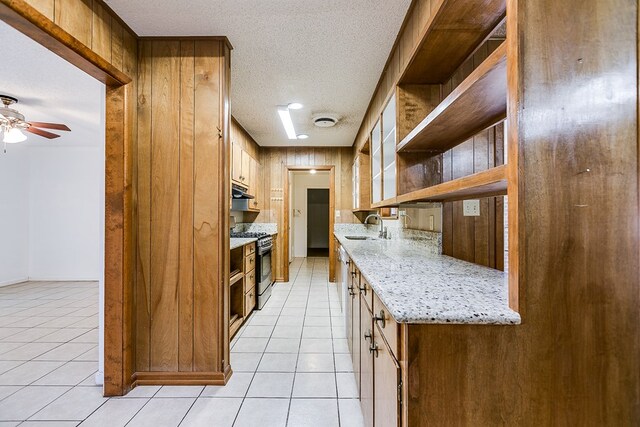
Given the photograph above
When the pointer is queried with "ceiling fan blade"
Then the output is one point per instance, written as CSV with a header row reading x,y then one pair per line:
x,y
42,133
56,126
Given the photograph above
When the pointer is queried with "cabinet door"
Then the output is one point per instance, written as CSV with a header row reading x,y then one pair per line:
x,y
246,168
354,332
366,366
236,162
376,163
389,150
356,183
254,184
386,384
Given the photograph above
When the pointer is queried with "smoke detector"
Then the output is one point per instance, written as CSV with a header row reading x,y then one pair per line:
x,y
325,120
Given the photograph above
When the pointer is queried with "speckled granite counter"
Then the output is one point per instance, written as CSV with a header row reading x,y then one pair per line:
x,y
422,287
237,242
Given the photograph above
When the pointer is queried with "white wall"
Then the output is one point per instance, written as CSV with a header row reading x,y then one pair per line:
x,y
14,215
301,182
66,213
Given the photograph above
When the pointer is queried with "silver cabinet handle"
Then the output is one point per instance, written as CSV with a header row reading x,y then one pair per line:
x,y
380,318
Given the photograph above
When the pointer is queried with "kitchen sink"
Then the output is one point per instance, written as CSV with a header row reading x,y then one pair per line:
x,y
359,238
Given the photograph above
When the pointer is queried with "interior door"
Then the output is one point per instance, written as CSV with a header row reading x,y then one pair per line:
x,y
386,384
366,365
318,218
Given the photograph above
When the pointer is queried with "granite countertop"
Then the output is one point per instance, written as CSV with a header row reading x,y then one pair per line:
x,y
418,287
237,242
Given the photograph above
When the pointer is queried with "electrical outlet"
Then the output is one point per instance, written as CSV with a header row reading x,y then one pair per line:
x,y
337,213
402,213
431,222
471,208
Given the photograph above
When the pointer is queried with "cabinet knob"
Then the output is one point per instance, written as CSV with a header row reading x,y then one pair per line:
x,y
363,289
353,274
373,348
380,318
367,335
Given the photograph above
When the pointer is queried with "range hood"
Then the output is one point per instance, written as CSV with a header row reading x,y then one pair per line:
x,y
240,192
240,198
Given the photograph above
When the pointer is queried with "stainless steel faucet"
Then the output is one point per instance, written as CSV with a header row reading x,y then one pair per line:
x,y
381,234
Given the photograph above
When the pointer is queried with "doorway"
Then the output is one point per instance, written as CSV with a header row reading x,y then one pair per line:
x,y
296,208
317,222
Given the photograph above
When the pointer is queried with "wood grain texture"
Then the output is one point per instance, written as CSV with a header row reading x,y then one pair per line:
x,y
45,7
165,205
101,30
208,221
75,17
186,233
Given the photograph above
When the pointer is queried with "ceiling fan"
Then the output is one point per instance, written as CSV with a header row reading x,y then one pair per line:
x,y
12,123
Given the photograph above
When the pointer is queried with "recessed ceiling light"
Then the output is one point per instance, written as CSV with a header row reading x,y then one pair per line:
x,y
303,136
295,106
285,116
312,171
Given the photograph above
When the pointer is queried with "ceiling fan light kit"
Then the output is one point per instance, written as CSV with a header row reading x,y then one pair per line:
x,y
12,124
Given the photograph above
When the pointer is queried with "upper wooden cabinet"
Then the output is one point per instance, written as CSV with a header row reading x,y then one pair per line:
x,y
245,168
236,162
383,157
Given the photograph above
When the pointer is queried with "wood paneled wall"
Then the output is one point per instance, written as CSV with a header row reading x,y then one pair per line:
x,y
240,136
409,37
182,207
94,25
274,162
475,239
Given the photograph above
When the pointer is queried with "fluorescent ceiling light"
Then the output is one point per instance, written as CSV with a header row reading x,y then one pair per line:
x,y
303,136
285,116
295,106
13,136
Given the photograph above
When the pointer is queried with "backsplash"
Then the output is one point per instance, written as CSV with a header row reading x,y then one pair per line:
x,y
428,240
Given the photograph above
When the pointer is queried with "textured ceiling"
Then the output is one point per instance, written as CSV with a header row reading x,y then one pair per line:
x,y
49,89
325,54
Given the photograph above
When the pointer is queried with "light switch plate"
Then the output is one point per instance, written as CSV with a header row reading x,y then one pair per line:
x,y
471,208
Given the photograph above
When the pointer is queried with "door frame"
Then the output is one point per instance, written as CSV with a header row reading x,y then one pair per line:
x,y
118,244
332,207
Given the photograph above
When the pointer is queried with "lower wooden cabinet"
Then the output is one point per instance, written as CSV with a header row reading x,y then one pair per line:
x,y
353,330
387,383
367,373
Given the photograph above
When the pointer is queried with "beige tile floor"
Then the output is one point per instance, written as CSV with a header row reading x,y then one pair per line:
x,y
290,360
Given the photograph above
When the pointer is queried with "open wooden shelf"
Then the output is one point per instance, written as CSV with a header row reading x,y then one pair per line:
x,y
236,276
453,32
387,203
478,102
234,324
492,182
363,210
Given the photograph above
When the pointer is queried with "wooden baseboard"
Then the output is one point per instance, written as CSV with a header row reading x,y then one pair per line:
x,y
181,378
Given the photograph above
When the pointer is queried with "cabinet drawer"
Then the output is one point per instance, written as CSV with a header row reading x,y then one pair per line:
x,y
249,301
386,323
366,292
249,249
250,262
249,280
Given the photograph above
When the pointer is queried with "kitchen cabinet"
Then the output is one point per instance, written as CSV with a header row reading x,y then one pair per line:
x,y
242,285
353,321
236,162
245,170
367,369
361,182
383,157
387,382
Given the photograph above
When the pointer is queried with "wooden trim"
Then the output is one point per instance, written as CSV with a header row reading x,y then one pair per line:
x,y
181,378
194,38
332,208
26,19
516,219
491,182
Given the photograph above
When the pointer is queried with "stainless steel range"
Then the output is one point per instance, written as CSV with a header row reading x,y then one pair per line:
x,y
264,279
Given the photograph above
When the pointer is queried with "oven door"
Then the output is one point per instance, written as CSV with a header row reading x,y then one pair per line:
x,y
265,271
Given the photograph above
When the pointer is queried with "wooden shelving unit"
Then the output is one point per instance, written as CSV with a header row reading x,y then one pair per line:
x,y
478,102
392,202
452,34
235,277
492,182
